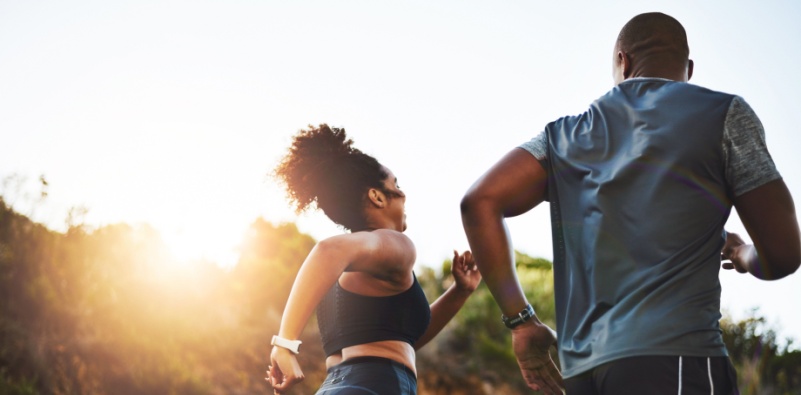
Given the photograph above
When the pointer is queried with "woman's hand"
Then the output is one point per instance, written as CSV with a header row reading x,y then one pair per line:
x,y
284,371
465,273
466,278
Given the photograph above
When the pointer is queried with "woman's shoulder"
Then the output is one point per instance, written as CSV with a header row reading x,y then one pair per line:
x,y
371,250
370,239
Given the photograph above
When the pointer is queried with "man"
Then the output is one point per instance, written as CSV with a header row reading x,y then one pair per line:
x,y
640,187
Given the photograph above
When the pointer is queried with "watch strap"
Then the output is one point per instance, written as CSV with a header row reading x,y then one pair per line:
x,y
521,317
291,345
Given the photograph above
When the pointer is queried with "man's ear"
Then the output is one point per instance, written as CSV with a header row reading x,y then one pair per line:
x,y
625,64
377,198
690,66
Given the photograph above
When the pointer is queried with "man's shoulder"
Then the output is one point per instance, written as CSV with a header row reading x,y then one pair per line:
x,y
634,87
649,92
704,89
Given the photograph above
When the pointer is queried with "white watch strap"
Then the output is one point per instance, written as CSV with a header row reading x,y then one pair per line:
x,y
291,345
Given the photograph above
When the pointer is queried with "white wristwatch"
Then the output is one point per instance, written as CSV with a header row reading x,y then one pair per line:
x,y
291,345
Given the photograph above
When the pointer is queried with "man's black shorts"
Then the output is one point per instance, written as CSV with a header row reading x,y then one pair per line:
x,y
657,375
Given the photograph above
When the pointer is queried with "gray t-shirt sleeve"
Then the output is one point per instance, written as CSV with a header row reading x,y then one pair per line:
x,y
748,163
537,146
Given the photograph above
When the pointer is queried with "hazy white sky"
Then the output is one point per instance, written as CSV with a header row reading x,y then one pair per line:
x,y
173,112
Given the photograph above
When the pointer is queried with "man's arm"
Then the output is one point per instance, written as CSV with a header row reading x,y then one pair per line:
x,y
768,214
761,198
511,187
514,185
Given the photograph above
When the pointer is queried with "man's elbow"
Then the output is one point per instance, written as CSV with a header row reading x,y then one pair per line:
x,y
787,268
777,267
468,204
472,204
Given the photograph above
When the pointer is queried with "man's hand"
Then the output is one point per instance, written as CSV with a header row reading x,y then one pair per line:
x,y
740,256
531,342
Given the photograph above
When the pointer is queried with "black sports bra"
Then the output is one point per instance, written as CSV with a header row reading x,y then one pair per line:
x,y
347,319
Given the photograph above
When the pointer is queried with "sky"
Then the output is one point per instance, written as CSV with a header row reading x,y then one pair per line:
x,y
174,113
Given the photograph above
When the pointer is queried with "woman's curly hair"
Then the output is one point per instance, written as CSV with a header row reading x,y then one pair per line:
x,y
324,168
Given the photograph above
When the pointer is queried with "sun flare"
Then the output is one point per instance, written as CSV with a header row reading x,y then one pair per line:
x,y
188,246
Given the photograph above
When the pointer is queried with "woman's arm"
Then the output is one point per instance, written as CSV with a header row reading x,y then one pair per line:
x,y
361,251
325,263
466,278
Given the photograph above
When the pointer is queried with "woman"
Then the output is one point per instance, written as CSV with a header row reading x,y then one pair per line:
x,y
371,311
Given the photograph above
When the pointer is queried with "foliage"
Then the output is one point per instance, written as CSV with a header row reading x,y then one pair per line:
x,y
108,311
762,366
270,259
475,349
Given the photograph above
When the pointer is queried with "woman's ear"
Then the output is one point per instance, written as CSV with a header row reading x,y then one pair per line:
x,y
377,198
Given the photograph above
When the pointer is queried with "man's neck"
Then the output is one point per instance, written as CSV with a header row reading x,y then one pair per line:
x,y
659,72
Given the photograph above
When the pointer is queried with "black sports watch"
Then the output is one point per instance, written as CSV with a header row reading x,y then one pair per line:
x,y
521,317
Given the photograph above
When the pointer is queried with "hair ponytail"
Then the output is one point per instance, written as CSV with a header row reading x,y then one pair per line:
x,y
323,168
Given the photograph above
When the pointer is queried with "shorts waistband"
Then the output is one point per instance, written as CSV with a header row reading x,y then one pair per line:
x,y
371,359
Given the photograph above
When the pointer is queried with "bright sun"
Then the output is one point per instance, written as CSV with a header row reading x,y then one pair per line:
x,y
203,244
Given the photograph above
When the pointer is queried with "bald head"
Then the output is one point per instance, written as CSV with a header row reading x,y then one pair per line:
x,y
654,45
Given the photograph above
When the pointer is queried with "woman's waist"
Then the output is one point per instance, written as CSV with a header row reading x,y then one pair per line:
x,y
394,350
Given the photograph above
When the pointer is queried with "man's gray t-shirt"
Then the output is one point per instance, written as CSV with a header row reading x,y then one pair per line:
x,y
640,187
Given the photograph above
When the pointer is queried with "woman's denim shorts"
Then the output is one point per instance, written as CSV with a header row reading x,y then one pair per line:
x,y
369,375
